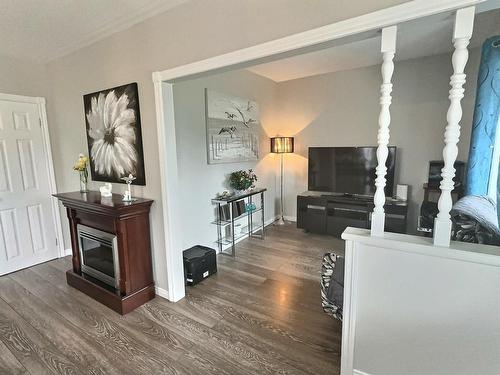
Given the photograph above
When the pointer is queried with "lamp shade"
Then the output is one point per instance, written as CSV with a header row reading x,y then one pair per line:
x,y
282,145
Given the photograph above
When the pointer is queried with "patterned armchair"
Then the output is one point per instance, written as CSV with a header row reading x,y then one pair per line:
x,y
332,285
474,219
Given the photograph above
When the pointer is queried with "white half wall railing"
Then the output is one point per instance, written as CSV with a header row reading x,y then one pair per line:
x,y
388,49
395,321
411,308
464,22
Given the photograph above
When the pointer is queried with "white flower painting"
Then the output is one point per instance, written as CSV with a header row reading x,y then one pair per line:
x,y
114,134
233,128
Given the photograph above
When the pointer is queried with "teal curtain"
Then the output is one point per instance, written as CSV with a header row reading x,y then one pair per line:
x,y
486,115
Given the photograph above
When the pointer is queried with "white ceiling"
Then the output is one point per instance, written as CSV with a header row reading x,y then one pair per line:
x,y
43,30
415,39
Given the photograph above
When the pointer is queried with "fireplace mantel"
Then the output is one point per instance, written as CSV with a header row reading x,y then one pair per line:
x,y
129,222
113,206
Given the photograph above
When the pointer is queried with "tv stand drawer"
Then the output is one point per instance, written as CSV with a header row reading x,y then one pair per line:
x,y
348,213
314,207
311,214
336,225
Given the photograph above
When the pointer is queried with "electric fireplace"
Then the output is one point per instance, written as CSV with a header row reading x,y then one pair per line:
x,y
99,255
111,249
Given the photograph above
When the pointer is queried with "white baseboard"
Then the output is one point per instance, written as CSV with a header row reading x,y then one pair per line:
x,y
290,218
270,221
68,252
161,292
358,372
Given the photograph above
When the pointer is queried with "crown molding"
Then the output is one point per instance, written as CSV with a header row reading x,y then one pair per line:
x,y
122,23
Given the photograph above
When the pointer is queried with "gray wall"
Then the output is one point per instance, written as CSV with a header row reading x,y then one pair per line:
x,y
341,109
22,77
199,181
190,32
193,31
337,109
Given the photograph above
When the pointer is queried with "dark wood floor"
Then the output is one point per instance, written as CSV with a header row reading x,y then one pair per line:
x,y
260,314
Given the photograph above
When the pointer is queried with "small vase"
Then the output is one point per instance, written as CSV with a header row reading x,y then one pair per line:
x,y
83,182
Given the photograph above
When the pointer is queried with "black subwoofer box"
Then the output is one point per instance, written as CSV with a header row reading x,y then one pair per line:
x,y
199,263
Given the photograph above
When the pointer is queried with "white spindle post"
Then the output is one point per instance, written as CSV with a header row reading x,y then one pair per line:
x,y
388,49
464,21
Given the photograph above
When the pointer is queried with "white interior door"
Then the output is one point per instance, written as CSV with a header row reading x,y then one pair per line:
x,y
27,230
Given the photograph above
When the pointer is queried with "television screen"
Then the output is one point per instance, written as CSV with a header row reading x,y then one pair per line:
x,y
348,170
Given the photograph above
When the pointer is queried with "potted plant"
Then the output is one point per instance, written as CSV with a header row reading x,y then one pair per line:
x,y
242,180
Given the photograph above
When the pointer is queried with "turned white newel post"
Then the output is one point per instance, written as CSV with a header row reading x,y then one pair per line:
x,y
464,21
388,48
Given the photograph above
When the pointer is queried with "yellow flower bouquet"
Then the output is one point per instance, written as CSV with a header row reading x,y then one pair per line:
x,y
81,167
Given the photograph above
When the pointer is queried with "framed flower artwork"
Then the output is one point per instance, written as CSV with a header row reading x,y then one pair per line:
x,y
114,138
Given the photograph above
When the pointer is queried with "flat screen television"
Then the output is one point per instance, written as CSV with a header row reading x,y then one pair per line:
x,y
348,170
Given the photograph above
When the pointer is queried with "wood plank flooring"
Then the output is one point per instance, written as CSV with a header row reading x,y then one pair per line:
x,y
260,314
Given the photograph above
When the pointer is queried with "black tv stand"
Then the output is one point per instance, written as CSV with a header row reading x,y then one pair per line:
x,y
330,213
357,197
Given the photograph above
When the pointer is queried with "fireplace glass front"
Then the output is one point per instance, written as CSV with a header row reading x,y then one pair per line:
x,y
99,254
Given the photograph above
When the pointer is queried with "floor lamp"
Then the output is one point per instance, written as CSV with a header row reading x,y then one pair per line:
x,y
281,145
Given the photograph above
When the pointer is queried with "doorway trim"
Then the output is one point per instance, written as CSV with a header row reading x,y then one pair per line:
x,y
164,100
44,125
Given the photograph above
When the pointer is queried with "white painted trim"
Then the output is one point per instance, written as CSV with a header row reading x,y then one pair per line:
x,y
367,22
161,292
291,218
68,252
388,49
462,33
167,148
165,120
42,113
349,311
460,251
359,372
20,98
56,213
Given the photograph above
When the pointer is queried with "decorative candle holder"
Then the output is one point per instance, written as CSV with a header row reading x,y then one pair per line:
x,y
127,196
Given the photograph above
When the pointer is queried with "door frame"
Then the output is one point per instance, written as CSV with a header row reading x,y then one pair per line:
x,y
164,100
44,125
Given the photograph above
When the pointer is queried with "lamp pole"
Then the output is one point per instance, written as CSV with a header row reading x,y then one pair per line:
x,y
281,220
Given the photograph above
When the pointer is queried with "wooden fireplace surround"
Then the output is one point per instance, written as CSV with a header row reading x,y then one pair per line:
x,y
129,221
